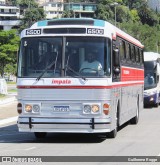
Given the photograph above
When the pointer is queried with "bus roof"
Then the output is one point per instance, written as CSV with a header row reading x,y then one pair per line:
x,y
80,22
151,56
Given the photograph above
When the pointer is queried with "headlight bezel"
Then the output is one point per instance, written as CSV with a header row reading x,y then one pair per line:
x,y
31,108
91,108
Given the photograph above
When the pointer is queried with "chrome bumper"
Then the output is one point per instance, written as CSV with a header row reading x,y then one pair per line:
x,y
70,125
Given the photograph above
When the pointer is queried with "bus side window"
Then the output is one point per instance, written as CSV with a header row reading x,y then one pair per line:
x,y
128,53
137,55
122,51
133,54
141,57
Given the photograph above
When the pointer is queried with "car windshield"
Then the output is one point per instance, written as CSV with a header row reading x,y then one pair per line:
x,y
64,57
150,75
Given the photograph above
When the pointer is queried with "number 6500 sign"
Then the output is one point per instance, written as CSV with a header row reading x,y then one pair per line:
x,y
95,31
33,32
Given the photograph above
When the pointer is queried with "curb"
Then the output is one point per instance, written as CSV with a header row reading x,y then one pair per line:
x,y
7,100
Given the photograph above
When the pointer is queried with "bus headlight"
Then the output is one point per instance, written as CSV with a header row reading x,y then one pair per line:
x,y
33,108
28,108
36,108
87,109
95,108
91,108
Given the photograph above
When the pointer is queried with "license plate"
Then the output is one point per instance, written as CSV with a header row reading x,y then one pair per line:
x,y
61,109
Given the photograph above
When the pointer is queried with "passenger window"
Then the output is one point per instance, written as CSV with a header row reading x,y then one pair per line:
x,y
122,50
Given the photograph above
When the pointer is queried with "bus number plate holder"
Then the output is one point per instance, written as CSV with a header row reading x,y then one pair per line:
x,y
61,108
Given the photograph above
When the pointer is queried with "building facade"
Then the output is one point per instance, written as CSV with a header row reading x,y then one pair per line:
x,y
55,8
9,16
2,2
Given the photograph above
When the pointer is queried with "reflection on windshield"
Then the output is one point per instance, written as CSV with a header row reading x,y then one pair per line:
x,y
149,81
84,56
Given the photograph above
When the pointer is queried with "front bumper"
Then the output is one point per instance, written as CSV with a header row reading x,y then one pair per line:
x,y
150,99
64,125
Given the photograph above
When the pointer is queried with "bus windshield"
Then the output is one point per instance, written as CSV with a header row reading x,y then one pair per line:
x,y
64,57
150,75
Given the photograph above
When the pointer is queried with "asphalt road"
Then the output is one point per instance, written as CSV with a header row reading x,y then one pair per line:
x,y
132,140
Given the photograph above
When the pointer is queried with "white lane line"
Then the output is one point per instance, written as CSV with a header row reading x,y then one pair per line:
x,y
8,120
32,148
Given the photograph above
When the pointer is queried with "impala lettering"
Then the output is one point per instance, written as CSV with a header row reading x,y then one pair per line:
x,y
59,82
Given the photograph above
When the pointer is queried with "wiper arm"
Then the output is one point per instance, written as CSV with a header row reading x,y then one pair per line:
x,y
48,67
73,71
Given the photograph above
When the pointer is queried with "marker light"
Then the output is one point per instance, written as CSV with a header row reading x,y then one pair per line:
x,y
28,108
19,108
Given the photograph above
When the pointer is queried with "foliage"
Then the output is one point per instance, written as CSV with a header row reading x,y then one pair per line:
x,y
134,17
9,42
68,14
32,13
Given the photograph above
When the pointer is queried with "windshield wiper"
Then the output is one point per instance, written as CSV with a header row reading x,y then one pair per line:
x,y
73,71
48,67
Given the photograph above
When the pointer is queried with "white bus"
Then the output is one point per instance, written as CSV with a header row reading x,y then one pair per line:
x,y
151,81
56,95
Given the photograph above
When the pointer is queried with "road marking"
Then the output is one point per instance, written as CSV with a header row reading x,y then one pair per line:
x,y
8,120
30,148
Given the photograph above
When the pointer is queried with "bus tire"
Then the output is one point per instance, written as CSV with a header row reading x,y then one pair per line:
x,y
156,104
39,135
135,119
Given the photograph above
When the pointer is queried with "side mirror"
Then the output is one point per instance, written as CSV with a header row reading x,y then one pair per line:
x,y
157,78
116,61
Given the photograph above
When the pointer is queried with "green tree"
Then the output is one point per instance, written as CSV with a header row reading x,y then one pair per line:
x,y
148,16
9,42
146,34
104,12
123,14
134,15
68,14
32,13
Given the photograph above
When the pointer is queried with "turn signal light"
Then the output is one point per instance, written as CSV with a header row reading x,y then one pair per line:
x,y
19,108
106,109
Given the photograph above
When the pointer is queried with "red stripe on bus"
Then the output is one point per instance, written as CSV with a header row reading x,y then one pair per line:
x,y
76,87
131,74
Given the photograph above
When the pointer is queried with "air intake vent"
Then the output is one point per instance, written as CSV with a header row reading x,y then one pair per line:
x,y
65,31
72,22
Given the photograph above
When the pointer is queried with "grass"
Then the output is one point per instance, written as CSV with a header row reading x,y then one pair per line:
x,y
12,90
11,82
2,96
